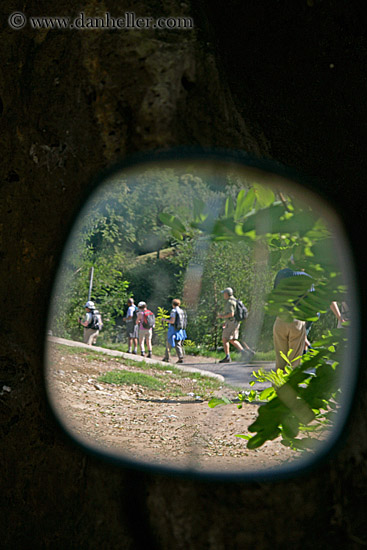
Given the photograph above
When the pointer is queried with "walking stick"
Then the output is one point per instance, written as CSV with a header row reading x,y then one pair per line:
x,y
215,316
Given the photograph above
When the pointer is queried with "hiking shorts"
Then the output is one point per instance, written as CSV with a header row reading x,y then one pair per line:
x,y
145,334
90,336
132,330
231,330
289,336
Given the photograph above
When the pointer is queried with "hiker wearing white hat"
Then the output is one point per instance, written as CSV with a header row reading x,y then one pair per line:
x,y
92,323
146,321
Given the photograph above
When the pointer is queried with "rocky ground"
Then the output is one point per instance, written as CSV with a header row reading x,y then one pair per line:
x,y
173,426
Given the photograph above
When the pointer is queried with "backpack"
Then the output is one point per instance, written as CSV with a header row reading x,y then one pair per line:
x,y
180,319
148,319
135,314
96,322
345,312
241,312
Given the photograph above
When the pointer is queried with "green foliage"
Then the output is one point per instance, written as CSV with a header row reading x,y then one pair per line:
x,y
109,292
161,325
297,401
120,224
215,401
265,355
302,401
121,378
153,281
132,207
225,264
191,348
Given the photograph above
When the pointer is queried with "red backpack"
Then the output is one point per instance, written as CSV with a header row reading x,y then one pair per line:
x,y
148,320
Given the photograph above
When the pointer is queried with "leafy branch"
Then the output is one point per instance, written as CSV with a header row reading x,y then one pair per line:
x,y
301,399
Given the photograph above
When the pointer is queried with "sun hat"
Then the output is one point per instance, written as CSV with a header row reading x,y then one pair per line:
x,y
228,290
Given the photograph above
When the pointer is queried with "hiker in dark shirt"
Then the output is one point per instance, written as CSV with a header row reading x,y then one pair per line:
x,y
289,335
131,326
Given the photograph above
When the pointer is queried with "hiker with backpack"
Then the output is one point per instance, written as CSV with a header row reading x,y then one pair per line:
x,y
131,326
176,333
92,323
290,337
234,313
145,321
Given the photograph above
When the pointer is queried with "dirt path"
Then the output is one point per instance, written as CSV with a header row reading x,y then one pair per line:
x,y
173,427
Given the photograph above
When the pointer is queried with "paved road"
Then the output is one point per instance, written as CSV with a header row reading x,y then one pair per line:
x,y
236,374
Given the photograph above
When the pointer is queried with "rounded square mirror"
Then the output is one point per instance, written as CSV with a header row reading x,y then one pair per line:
x,y
204,318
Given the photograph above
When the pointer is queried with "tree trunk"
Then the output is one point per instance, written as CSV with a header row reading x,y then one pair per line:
x,y
274,79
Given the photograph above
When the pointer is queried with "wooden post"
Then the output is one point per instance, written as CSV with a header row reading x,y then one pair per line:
x,y
90,282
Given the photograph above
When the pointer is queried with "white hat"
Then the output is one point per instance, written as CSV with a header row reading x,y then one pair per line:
x,y
90,305
142,304
228,290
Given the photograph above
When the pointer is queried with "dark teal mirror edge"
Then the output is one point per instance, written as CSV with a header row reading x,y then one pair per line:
x,y
244,160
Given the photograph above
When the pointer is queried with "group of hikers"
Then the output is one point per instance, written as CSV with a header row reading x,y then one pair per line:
x,y
289,337
140,322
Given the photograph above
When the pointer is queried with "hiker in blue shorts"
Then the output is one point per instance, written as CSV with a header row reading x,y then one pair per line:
x,y
176,331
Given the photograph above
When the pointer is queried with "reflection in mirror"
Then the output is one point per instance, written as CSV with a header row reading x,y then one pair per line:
x,y
203,384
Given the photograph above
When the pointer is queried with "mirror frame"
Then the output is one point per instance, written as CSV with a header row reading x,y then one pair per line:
x,y
266,166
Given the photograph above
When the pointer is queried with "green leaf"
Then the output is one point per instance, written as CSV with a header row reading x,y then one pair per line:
x,y
229,207
324,250
177,234
306,443
244,203
216,401
285,357
265,394
292,295
171,221
249,200
298,406
256,441
264,196
290,426
224,228
265,220
199,206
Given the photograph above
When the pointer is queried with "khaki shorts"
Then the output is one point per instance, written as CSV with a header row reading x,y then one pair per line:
x,y
231,330
289,336
145,333
90,336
